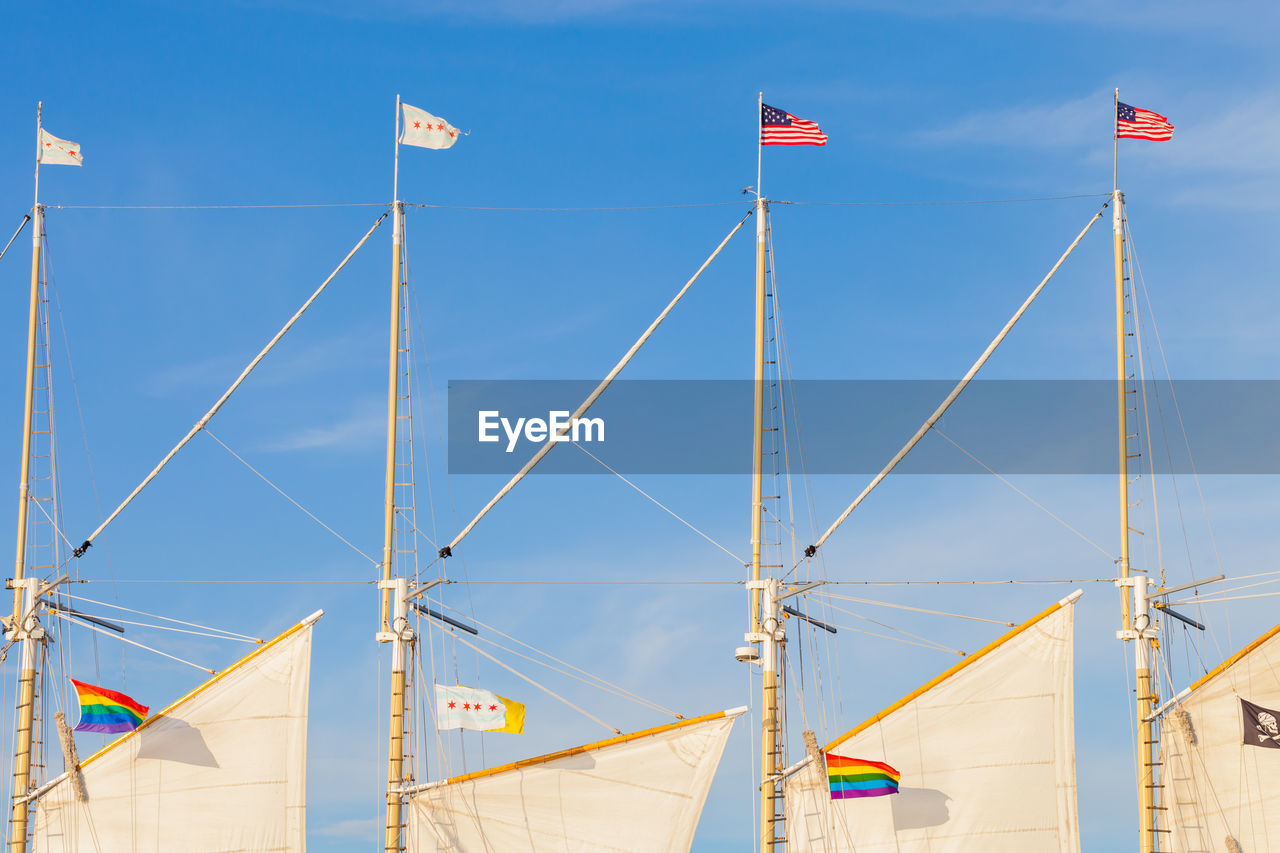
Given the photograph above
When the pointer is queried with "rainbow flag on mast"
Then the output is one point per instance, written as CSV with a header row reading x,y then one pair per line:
x,y
103,710
857,777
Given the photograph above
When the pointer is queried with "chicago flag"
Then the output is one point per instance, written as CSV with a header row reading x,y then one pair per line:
x,y
423,129
53,151
459,707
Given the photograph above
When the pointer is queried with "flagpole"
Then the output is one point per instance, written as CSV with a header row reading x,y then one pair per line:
x,y
759,144
1115,141
389,513
395,183
23,592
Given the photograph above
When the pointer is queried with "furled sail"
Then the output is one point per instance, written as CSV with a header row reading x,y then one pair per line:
x,y
222,769
640,792
985,753
1220,748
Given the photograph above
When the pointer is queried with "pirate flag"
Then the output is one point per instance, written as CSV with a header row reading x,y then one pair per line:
x,y
1261,725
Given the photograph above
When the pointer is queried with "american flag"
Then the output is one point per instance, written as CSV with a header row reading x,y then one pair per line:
x,y
1135,123
779,127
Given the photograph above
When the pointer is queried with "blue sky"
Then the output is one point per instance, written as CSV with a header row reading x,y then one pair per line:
x,y
621,104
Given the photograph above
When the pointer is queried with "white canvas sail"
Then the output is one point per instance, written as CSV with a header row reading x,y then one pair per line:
x,y
986,753
641,793
1221,782
222,769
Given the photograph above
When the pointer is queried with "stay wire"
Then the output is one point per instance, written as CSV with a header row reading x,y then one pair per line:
x,y
661,505
289,498
609,684
1030,499
580,209
88,455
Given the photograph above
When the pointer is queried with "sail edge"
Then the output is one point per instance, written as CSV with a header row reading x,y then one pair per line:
x,y
204,685
955,669
578,750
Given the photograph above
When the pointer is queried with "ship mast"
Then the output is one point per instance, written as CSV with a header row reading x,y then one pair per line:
x,y
25,626
763,593
393,623
1135,611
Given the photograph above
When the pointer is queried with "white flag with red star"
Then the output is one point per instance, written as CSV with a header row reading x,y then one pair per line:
x,y
53,151
423,129
459,707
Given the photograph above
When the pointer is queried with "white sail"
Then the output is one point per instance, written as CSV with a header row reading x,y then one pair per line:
x,y
222,769
986,753
641,793
1218,788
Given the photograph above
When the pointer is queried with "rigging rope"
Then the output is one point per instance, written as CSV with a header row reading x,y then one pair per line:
x,y
71,618
955,392
661,505
205,206
927,644
227,394
84,437
1195,474
896,630
578,209
230,634
594,395
578,582
942,203
1032,500
621,208
284,495
914,609
546,690
590,681
613,687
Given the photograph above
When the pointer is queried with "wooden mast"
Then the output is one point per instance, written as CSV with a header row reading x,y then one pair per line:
x,y
764,625
1121,380
394,630
23,599
1134,607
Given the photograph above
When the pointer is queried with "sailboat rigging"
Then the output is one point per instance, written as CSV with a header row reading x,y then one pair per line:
x,y
942,777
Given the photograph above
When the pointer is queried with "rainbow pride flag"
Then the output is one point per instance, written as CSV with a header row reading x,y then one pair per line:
x,y
857,777
103,710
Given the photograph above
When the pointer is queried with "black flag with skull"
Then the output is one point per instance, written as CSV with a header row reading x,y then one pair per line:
x,y
1261,725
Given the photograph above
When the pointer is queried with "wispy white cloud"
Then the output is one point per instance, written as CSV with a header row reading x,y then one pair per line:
x,y
1080,121
1241,138
360,431
285,366
201,374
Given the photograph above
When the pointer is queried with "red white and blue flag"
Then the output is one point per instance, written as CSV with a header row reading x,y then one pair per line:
x,y
779,127
1135,123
